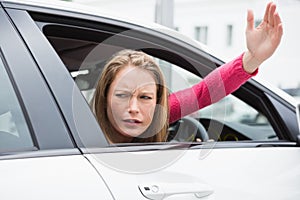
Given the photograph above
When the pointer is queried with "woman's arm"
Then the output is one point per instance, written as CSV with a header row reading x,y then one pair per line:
x,y
216,85
262,41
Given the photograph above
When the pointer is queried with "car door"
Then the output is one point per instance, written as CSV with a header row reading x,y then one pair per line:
x,y
38,159
262,164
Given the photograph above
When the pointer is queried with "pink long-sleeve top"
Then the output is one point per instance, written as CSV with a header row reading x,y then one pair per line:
x,y
216,85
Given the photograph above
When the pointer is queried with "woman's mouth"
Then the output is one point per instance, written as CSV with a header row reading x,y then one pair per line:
x,y
132,121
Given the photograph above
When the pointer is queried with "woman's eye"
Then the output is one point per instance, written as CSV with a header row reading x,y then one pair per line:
x,y
146,97
122,95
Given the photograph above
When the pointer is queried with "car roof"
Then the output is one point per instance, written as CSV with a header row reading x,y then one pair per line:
x,y
73,7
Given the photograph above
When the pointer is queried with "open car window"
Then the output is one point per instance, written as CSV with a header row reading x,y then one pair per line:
x,y
231,119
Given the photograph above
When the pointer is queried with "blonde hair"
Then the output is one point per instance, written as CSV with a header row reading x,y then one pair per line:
x,y
139,59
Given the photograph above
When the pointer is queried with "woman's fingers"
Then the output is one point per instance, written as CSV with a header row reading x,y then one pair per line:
x,y
271,14
277,21
250,20
266,16
278,26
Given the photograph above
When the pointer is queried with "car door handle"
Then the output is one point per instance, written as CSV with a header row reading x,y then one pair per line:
x,y
158,191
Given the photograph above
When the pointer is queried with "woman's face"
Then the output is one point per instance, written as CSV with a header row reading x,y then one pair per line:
x,y
131,102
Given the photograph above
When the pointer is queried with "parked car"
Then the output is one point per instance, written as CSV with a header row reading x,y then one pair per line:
x,y
51,146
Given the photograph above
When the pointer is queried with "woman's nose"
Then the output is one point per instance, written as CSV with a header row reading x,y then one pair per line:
x,y
133,106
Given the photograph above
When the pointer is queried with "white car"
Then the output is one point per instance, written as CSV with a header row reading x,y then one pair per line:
x,y
51,146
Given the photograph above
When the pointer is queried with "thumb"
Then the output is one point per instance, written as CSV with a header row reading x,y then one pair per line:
x,y
250,20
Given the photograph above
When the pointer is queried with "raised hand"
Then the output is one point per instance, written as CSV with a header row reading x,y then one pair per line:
x,y
262,40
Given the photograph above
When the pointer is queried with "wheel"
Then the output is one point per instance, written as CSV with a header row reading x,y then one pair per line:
x,y
187,129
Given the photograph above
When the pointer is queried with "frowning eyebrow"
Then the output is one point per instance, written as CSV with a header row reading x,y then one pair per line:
x,y
122,90
143,91
147,93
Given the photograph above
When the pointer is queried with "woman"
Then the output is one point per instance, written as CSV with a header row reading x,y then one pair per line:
x,y
131,101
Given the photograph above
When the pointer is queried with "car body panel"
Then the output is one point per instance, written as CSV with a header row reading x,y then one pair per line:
x,y
51,178
230,173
